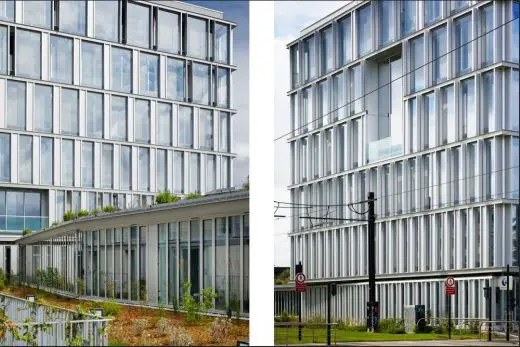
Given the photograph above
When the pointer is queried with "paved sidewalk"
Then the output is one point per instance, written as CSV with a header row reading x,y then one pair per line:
x,y
432,343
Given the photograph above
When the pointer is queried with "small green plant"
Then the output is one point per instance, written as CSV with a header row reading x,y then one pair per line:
x,y
166,197
283,317
175,305
391,326
192,196
83,213
189,304
69,215
95,212
109,209
26,232
161,310
235,307
110,308
245,186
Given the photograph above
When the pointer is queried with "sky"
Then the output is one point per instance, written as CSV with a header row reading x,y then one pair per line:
x,y
290,18
238,12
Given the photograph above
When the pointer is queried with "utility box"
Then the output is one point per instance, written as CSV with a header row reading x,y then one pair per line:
x,y
414,316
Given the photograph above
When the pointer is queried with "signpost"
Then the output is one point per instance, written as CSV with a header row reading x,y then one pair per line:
x,y
298,270
450,289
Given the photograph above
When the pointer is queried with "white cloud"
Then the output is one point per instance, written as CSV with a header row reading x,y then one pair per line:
x,y
290,18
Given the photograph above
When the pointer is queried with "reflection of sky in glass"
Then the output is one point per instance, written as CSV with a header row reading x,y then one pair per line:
x,y
142,120
72,16
185,126
25,159
121,69
168,31
221,43
91,64
106,23
144,166
67,165
43,108
126,169
28,54
197,37
148,70
118,118
37,13
175,88
222,80
69,111
138,19
164,124
61,59
46,162
200,83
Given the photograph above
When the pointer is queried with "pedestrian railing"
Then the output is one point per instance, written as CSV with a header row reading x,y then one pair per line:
x,y
497,330
27,323
294,333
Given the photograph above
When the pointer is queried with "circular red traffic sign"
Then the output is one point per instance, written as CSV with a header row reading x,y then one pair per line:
x,y
300,278
450,282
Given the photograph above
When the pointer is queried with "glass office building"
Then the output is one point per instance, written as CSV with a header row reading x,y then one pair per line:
x,y
145,255
108,103
416,101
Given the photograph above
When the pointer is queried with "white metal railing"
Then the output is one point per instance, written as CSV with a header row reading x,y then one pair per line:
x,y
33,323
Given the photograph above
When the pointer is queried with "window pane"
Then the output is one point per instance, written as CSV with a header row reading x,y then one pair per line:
x,y
121,76
46,160
43,108
195,173
309,61
138,25
108,166
222,87
16,105
175,79
432,11
149,74
37,13
488,112
201,85
515,32
67,163
168,32
87,164
487,35
161,170
126,167
3,51
408,17
323,103
469,117
221,43
142,121
513,104
118,118
7,10
387,19
355,90
69,112
327,50
206,129
440,59
197,38
307,110
164,124
178,172
105,21
5,157
295,65
185,127
144,169
95,117
345,33
224,132
28,54
448,115
414,126
338,96
430,131
211,179
224,173
417,60
92,64
25,159
365,30
462,46
73,15
61,59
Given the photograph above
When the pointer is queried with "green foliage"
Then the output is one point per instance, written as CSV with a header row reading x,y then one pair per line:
x,y
282,277
81,286
192,196
110,308
245,186
235,307
83,213
316,319
282,318
194,308
26,232
166,197
391,326
55,223
95,212
175,305
69,215
109,209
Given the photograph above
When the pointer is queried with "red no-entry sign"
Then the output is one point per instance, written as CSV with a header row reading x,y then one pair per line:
x,y
449,286
300,282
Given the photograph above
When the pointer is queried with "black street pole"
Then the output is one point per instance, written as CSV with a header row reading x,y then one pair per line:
x,y
328,314
449,316
299,269
371,262
489,311
507,305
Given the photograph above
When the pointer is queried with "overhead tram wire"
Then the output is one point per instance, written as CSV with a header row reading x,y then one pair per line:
x,y
398,78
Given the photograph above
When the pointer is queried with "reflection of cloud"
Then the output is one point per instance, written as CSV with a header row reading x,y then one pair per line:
x,y
290,18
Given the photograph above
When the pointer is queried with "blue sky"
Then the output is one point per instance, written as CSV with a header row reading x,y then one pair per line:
x,y
238,12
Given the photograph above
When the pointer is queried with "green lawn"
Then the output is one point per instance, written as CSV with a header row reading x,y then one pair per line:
x,y
290,336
